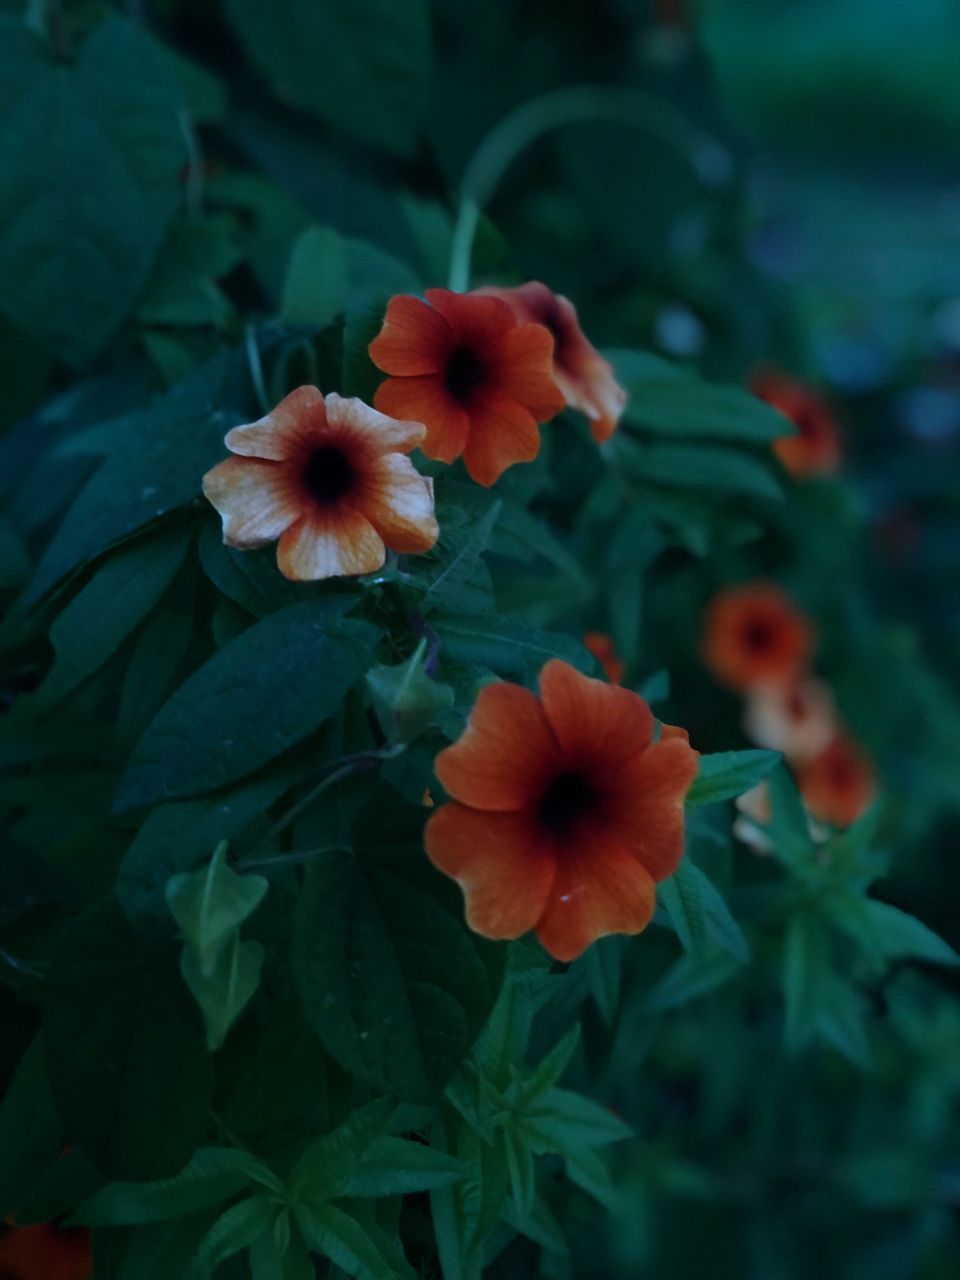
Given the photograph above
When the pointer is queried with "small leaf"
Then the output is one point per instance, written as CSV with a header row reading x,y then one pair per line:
x,y
363,1250
727,774
210,904
327,1166
395,1167
682,895
234,1231
224,989
805,978
506,646
405,699
213,1175
563,1121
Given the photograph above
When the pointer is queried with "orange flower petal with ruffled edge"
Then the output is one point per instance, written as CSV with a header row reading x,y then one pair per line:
x,y
328,478
480,381
565,811
755,635
838,785
585,379
493,765
599,889
502,862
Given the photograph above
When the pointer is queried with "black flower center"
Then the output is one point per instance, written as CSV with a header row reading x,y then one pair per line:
x,y
464,373
328,474
568,797
758,634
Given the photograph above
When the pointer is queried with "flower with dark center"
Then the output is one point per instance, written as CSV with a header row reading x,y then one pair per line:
x,y
797,719
755,636
837,785
586,379
564,813
328,478
814,448
479,380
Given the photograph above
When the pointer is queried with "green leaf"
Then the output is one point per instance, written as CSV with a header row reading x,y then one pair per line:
x,y
106,610
694,975
457,577
213,1175
175,837
549,1071
265,691
805,980
405,699
891,933
727,774
374,60
224,989
520,1167
154,462
390,980
156,659
330,274
89,157
327,1166
563,1121
360,1250
604,965
395,1166
506,646
124,1050
210,904
714,468
30,1138
699,913
686,407
233,1231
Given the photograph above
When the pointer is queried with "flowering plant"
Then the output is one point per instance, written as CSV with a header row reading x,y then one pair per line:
x,y
408,648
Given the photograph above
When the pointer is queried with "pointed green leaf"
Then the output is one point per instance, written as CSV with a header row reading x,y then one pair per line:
x,y
210,904
728,774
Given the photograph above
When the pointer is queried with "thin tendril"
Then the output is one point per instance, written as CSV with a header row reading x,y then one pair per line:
x,y
709,161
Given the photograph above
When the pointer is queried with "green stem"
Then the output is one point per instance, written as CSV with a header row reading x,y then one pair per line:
x,y
709,161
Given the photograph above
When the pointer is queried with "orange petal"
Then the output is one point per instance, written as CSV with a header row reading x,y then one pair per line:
x,y
643,803
504,757
425,399
275,436
525,373
414,339
254,499
386,433
329,545
502,863
477,322
502,432
598,725
598,889
398,502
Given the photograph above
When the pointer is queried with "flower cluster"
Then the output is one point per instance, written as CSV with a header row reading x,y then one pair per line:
x,y
471,375
757,642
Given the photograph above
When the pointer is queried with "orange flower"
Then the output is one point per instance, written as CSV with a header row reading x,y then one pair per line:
x,y
755,636
326,476
796,719
815,449
838,784
581,373
601,646
42,1252
565,812
479,380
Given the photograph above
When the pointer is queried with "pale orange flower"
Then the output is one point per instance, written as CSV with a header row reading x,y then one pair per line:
x,y
586,379
480,381
796,719
565,812
328,478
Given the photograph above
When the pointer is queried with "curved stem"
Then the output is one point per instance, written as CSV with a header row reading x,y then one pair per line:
x,y
709,160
